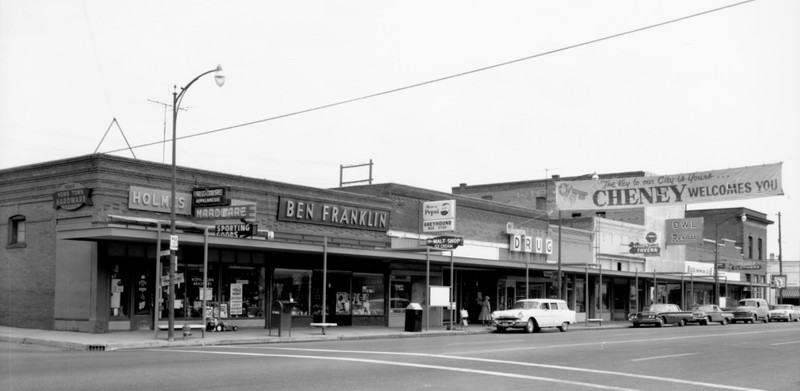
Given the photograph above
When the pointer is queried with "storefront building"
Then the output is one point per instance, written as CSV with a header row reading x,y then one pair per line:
x,y
631,263
87,243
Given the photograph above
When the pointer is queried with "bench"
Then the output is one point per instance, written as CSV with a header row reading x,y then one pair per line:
x,y
179,327
323,326
599,321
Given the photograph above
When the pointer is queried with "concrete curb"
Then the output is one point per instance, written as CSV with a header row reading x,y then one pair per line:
x,y
65,342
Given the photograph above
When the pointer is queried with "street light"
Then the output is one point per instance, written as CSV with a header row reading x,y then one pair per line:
x,y
716,254
173,261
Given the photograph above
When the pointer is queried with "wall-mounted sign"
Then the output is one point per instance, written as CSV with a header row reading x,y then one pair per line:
x,y
439,216
684,231
445,242
156,200
72,196
530,244
236,230
245,211
646,249
316,212
704,186
211,196
745,267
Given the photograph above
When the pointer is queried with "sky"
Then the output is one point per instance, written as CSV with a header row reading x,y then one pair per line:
x,y
433,93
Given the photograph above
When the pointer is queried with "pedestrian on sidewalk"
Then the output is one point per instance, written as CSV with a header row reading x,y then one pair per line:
x,y
486,311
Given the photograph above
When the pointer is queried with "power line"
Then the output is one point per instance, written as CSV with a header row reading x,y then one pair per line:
x,y
453,76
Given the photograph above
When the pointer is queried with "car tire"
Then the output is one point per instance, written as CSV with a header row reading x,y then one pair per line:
x,y
660,323
564,327
723,322
530,327
704,322
767,319
682,323
501,329
636,325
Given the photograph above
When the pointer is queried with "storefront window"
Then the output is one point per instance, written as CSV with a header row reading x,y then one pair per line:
x,y
242,291
580,295
293,285
195,294
368,294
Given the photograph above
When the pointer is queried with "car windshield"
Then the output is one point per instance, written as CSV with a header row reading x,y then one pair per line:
x,y
747,303
781,307
704,308
656,308
526,305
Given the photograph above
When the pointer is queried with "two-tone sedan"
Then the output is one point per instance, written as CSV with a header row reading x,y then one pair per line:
x,y
659,315
781,312
709,313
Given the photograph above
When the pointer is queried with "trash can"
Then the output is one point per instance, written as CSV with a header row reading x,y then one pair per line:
x,y
414,317
281,317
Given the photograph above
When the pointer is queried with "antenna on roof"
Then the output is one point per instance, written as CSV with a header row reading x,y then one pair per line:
x,y
164,143
114,121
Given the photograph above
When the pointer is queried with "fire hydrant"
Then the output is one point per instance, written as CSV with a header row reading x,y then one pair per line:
x,y
187,331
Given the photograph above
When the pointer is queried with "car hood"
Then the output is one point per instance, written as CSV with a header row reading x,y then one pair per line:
x,y
506,313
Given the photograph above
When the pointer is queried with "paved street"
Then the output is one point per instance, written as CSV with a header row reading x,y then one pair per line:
x,y
732,357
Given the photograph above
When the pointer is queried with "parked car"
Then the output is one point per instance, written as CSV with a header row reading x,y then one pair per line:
x,y
534,315
709,313
787,312
659,315
751,310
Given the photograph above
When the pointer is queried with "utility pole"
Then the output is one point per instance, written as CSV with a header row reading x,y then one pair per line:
x,y
164,144
780,260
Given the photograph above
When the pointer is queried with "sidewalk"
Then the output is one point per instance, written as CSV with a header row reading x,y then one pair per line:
x,y
120,340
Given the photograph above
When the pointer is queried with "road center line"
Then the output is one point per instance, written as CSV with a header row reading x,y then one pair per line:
x,y
412,365
784,343
670,356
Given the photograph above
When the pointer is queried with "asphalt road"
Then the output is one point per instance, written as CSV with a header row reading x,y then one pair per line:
x,y
731,357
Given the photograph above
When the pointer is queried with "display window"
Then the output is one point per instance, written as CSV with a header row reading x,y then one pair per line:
x,y
368,294
293,285
242,291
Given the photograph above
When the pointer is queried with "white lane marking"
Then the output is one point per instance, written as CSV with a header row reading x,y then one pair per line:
x,y
524,364
636,341
670,356
784,343
483,342
412,365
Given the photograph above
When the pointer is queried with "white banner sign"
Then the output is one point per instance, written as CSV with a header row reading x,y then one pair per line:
x,y
704,186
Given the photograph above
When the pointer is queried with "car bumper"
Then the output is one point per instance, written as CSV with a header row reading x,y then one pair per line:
x,y
510,323
647,321
779,316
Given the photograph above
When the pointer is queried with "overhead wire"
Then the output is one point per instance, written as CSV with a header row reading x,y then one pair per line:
x,y
453,76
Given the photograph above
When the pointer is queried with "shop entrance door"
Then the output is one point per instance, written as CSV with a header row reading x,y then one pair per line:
x,y
340,298
142,285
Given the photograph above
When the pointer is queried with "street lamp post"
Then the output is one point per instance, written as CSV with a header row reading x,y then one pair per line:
x,y
716,255
173,260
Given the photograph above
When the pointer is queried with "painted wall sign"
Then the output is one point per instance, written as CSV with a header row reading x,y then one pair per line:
x,y
704,186
157,200
72,196
684,231
211,196
325,213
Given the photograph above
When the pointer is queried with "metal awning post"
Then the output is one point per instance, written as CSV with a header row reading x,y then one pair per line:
x,y
586,294
156,304
324,277
205,278
427,287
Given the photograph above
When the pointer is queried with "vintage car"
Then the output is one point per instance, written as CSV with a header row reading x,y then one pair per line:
x,y
659,315
751,310
534,315
709,313
787,312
